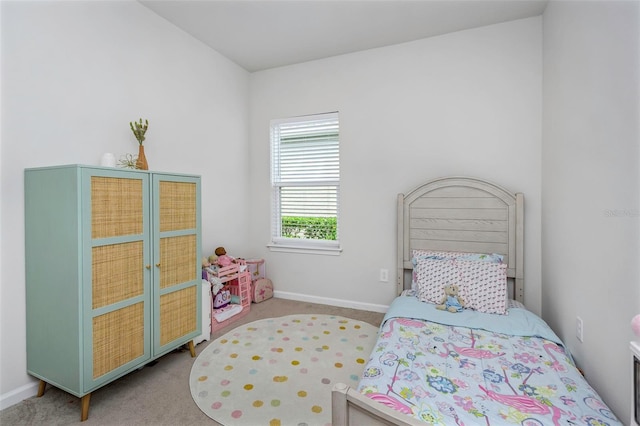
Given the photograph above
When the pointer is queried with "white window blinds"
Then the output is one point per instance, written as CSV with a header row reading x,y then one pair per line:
x,y
305,178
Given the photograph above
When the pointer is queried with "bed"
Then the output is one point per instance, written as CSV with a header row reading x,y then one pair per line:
x,y
491,363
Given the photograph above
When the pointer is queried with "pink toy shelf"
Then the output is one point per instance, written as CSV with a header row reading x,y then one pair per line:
x,y
238,281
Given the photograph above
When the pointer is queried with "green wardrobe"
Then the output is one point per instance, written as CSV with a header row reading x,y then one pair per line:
x,y
113,276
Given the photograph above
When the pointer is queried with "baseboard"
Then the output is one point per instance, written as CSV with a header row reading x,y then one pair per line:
x,y
17,395
331,302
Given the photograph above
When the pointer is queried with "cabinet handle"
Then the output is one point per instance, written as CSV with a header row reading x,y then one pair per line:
x,y
158,265
148,266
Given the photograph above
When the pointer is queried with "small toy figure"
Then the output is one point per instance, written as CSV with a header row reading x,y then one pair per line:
x,y
205,265
223,259
451,301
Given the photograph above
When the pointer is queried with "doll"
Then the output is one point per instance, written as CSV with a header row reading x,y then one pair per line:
x,y
223,259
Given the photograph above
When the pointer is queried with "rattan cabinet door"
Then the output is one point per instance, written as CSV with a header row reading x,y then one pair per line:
x,y
117,276
177,280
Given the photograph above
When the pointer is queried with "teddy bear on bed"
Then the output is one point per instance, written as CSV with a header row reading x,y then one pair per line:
x,y
451,302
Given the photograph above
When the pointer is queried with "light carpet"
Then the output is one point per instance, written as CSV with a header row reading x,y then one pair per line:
x,y
280,371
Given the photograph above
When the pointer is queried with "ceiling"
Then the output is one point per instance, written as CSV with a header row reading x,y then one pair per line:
x,y
263,34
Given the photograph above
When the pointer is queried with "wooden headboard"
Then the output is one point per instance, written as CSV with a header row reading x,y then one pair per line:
x,y
466,215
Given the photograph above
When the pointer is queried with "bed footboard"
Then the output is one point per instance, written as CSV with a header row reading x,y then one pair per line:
x,y
350,408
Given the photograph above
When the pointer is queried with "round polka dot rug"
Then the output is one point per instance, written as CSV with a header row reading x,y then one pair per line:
x,y
280,371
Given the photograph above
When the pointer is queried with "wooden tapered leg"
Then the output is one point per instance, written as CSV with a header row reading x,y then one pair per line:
x,y
192,349
41,388
84,406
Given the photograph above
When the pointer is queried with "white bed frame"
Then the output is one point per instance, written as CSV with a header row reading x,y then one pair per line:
x,y
448,214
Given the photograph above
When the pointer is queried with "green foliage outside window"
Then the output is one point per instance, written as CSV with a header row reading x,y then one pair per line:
x,y
313,228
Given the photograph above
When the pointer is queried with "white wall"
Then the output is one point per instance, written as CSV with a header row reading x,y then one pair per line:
x,y
73,75
591,186
466,103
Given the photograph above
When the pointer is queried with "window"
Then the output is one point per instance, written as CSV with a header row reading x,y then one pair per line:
x,y
305,184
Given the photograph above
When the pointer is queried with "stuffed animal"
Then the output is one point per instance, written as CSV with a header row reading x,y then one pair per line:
x,y
205,265
222,299
223,259
451,301
209,269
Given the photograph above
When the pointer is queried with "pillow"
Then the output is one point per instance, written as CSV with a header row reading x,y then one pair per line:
x,y
430,276
485,286
420,254
441,255
482,284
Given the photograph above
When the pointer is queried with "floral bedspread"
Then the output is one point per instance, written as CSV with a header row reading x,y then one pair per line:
x,y
459,375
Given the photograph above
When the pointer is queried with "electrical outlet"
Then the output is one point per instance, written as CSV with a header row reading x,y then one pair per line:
x,y
384,275
579,328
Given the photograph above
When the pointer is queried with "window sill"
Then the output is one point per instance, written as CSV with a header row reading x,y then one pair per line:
x,y
305,249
